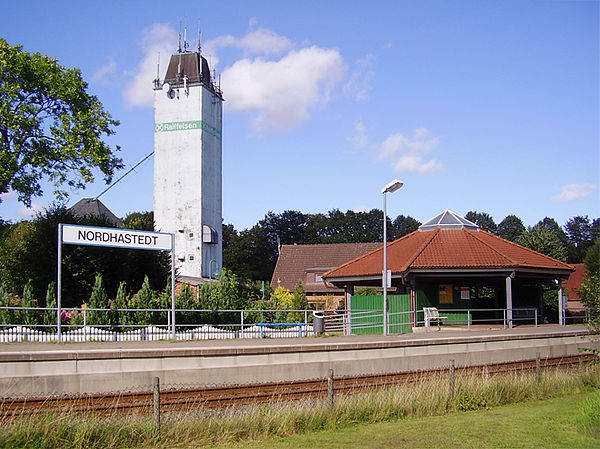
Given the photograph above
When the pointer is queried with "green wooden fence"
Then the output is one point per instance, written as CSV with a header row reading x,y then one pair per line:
x,y
364,323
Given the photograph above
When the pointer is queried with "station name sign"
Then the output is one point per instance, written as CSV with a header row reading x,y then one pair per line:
x,y
120,238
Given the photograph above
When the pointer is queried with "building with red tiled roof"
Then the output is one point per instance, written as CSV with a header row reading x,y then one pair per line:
x,y
308,262
450,263
572,287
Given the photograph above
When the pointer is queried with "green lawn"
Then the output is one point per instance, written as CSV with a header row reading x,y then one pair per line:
x,y
543,424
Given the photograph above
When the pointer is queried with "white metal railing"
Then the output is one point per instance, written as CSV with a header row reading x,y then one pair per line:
x,y
580,315
87,324
519,315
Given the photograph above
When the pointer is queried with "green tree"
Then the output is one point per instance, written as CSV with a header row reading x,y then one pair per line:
x,y
50,315
141,221
98,300
143,299
543,240
483,220
29,317
592,258
299,302
50,127
589,293
580,238
403,225
510,228
553,226
29,251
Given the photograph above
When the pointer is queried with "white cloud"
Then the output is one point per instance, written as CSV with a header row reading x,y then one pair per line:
x,y
281,93
359,83
103,74
572,192
406,152
258,42
359,140
8,195
27,212
413,163
399,143
158,39
359,209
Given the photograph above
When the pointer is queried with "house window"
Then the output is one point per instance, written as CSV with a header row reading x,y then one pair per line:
x,y
318,278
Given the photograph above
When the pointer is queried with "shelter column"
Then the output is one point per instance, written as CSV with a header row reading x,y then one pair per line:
x,y
348,306
561,320
509,302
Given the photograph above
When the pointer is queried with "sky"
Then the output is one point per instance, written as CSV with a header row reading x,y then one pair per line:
x,y
490,106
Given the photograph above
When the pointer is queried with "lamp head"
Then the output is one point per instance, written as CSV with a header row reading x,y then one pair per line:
x,y
392,186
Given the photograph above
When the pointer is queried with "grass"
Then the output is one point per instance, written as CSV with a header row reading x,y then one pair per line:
x,y
314,422
552,423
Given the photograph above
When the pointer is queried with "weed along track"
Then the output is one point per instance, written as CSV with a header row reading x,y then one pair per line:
x,y
228,396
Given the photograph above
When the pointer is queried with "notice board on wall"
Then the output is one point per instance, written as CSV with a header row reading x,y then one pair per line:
x,y
445,294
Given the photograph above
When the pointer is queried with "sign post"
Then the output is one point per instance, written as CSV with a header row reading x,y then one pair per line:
x,y
118,238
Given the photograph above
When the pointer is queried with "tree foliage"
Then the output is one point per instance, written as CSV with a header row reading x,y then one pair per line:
x,y
510,228
592,258
580,237
252,253
483,220
50,127
29,251
542,239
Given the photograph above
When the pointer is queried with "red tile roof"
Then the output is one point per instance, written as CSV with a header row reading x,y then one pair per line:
x,y
573,284
448,249
295,260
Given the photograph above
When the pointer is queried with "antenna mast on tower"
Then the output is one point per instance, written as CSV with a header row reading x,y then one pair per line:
x,y
199,39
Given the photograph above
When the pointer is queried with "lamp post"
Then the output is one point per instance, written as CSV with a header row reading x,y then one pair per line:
x,y
389,188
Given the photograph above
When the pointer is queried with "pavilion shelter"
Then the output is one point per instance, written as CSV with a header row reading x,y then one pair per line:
x,y
470,275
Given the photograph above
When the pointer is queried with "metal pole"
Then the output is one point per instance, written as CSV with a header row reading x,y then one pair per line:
x,y
330,388
385,298
173,336
452,378
58,284
561,320
156,401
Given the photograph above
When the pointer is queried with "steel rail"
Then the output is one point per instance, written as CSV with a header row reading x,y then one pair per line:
x,y
237,395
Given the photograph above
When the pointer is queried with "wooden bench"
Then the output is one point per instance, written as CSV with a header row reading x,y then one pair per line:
x,y
432,314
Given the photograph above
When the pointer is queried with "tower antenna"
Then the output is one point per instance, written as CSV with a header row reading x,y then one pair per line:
x,y
158,67
179,39
199,39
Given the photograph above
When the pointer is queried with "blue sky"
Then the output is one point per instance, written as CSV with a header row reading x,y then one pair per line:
x,y
475,105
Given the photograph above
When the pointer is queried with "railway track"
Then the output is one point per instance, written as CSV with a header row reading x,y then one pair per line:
x,y
228,396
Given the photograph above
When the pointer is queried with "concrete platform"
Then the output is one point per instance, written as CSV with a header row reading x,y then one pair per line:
x,y
40,369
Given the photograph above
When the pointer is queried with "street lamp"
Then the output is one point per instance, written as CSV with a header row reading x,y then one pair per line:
x,y
389,188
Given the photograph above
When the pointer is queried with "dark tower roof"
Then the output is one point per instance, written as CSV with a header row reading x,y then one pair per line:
x,y
93,206
190,67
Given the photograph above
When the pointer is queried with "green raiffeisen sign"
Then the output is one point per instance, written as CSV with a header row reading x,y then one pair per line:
x,y
187,126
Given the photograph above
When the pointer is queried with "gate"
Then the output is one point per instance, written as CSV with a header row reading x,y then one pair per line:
x,y
366,314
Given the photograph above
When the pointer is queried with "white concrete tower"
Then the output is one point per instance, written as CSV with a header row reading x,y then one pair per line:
x,y
187,164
